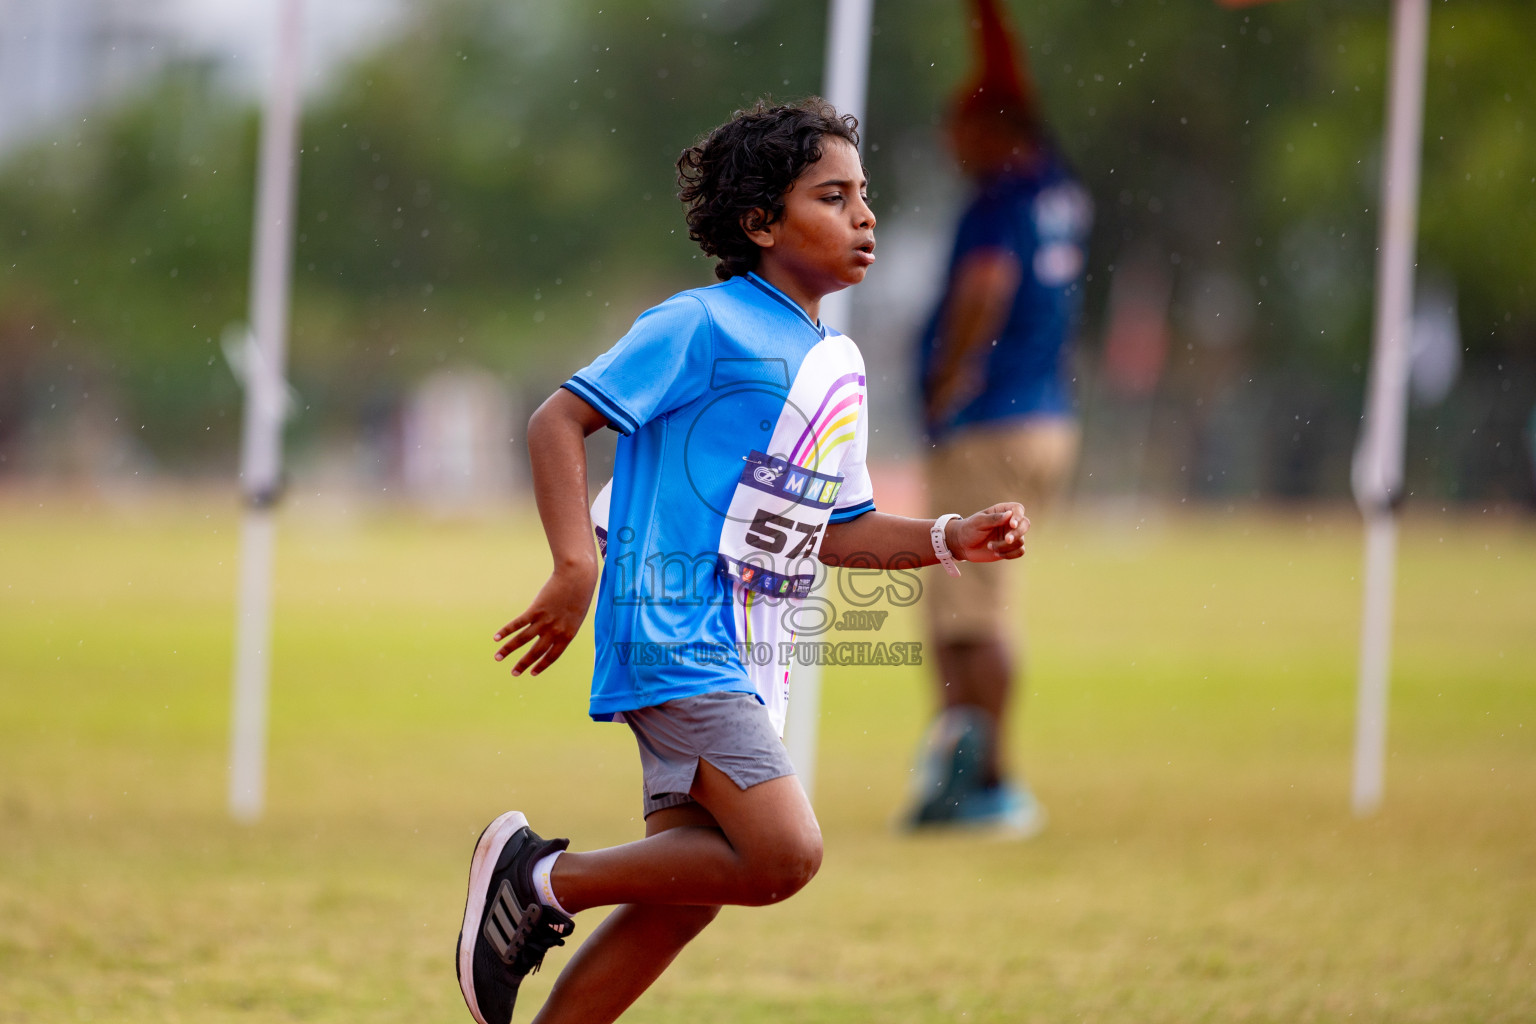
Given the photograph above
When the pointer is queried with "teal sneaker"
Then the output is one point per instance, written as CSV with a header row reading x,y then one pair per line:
x,y
949,765
1009,810
948,792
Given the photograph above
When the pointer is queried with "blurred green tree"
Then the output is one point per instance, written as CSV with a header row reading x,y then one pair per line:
x,y
496,185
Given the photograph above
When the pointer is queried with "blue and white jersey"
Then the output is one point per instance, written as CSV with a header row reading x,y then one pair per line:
x,y
744,435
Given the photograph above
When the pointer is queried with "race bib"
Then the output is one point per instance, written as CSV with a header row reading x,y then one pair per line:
x,y
774,529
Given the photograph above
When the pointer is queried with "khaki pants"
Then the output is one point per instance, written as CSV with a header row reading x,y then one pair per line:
x,y
1028,461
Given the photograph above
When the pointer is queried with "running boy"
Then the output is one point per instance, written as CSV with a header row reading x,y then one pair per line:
x,y
742,458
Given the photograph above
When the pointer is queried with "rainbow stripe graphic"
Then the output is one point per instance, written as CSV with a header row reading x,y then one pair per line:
x,y
834,424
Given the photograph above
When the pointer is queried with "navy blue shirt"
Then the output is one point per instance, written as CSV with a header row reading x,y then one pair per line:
x,y
1042,216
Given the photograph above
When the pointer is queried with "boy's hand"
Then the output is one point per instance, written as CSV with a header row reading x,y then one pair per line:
x,y
991,535
551,621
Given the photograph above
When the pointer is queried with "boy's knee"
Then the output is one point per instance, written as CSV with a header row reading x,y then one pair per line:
x,y
789,870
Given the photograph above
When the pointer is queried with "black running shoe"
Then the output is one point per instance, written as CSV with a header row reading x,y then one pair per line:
x,y
506,930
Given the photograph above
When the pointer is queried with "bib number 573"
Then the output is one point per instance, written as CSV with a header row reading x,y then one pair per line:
x,y
771,533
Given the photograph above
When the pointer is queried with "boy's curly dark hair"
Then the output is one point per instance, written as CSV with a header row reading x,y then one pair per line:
x,y
742,169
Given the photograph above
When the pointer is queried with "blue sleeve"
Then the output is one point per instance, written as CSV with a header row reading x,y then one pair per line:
x,y
660,365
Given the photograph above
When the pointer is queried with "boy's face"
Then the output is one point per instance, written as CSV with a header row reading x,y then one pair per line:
x,y
825,239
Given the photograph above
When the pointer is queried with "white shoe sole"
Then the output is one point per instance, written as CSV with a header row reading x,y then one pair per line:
x,y
1015,826
481,867
1023,825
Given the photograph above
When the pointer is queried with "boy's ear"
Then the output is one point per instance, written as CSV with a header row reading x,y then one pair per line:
x,y
755,225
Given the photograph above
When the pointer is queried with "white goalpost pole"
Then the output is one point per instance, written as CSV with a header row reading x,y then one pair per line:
x,y
845,80
1377,474
261,452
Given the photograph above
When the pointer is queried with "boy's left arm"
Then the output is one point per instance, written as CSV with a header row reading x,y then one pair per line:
x,y
881,540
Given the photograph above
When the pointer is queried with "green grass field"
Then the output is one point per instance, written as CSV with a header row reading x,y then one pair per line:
x,y
1189,725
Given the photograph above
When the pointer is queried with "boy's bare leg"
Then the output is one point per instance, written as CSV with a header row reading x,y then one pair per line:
x,y
620,960
765,845
691,855
630,949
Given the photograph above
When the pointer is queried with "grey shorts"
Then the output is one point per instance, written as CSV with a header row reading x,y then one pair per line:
x,y
729,730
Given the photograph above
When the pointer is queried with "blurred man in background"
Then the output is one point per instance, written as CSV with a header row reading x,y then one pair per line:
x,y
998,412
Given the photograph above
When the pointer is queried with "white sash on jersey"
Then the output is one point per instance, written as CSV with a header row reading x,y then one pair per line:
x,y
775,525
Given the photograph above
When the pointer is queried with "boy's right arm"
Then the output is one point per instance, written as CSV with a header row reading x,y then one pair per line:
x,y
557,434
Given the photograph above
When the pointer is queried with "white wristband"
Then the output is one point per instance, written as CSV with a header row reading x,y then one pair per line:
x,y
940,546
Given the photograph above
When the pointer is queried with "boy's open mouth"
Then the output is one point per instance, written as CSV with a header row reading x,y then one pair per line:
x,y
866,251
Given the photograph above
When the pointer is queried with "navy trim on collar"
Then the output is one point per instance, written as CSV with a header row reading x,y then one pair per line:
x,y
779,296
